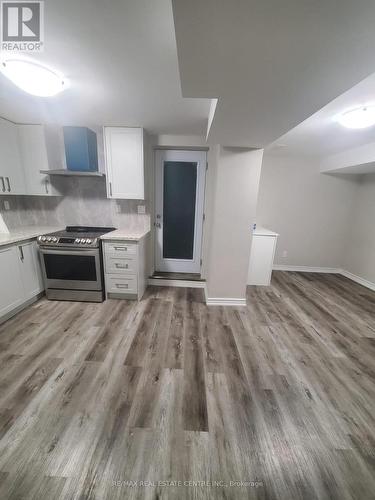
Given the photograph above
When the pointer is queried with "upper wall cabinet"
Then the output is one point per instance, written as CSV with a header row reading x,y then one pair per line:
x,y
124,151
12,180
40,149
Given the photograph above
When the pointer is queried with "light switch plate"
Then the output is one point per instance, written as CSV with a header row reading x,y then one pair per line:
x,y
141,209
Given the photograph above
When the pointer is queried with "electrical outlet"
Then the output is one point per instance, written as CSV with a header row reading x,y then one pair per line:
x,y
141,209
285,254
6,205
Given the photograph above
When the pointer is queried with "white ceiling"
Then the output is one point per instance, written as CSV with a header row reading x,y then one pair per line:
x,y
271,63
321,136
121,60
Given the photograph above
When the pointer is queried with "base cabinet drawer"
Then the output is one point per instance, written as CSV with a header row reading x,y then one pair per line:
x,y
121,265
121,284
125,266
120,248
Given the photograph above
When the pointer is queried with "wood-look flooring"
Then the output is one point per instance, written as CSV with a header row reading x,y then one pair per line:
x,y
168,398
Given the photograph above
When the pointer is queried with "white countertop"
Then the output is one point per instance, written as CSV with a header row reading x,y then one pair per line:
x,y
25,233
262,231
125,234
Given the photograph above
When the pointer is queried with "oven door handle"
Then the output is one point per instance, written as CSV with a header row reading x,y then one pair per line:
x,y
74,251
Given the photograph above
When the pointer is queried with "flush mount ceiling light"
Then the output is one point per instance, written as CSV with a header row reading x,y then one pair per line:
x,y
32,77
358,118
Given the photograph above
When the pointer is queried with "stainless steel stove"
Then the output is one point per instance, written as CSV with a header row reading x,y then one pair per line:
x,y
72,263
76,236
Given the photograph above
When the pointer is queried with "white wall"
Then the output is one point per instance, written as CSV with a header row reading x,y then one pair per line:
x,y
234,184
360,248
311,211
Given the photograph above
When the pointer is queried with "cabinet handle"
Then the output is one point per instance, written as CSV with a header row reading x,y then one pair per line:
x,y
7,179
122,266
110,189
21,253
46,186
123,249
122,285
2,180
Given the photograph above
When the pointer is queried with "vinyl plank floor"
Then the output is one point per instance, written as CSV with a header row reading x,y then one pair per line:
x,y
170,399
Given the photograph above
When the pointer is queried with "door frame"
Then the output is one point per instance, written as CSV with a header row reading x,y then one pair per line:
x,y
179,265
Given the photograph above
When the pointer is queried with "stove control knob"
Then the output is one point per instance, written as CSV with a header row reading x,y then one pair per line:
x,y
54,239
83,240
88,241
78,240
49,239
43,238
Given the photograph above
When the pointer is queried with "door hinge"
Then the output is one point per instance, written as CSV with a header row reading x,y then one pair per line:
x,y
201,262
206,165
204,217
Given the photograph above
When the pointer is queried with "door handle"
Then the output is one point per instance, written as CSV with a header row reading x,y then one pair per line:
x,y
21,253
2,180
7,179
157,224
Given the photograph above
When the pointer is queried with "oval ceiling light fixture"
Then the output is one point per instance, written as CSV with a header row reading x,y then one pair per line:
x,y
358,118
33,77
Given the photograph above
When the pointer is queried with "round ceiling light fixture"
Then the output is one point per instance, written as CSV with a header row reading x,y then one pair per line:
x,y
358,118
33,77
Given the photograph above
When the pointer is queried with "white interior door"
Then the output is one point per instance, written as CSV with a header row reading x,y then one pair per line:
x,y
179,202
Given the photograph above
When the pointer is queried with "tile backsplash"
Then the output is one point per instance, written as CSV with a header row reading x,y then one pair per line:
x,y
83,202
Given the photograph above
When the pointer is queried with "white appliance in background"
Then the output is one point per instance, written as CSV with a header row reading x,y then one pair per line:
x,y
261,258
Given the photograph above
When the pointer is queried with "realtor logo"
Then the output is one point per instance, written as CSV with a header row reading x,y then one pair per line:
x,y
22,26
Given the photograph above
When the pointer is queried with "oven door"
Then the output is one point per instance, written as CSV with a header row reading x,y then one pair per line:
x,y
71,269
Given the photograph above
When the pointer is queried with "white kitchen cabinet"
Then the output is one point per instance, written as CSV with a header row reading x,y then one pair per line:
x,y
11,288
125,268
124,154
41,148
31,274
261,258
20,276
12,179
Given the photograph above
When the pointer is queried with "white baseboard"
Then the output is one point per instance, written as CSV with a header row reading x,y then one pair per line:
x,y
307,269
178,283
358,279
223,301
330,270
